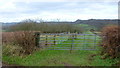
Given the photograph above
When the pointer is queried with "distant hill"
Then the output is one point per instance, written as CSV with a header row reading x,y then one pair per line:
x,y
89,21
98,23
6,25
93,21
9,24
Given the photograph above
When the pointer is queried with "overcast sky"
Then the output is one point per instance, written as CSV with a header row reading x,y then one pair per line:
x,y
52,10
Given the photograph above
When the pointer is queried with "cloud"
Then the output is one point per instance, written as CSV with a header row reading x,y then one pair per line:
x,y
17,10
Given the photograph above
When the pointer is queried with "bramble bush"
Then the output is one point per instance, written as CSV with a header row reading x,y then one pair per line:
x,y
23,39
111,41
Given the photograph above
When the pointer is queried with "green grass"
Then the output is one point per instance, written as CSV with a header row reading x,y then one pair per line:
x,y
86,27
47,57
60,58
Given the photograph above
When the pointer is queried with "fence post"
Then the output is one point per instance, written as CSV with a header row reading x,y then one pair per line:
x,y
75,36
46,40
37,38
54,39
72,43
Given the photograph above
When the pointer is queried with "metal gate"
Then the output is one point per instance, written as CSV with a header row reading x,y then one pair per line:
x,y
69,41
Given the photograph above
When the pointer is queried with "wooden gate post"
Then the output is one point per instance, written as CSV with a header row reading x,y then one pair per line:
x,y
37,39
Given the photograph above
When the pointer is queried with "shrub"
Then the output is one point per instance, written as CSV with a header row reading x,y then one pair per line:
x,y
24,39
110,41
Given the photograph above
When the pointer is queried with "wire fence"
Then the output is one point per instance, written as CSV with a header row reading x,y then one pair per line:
x,y
69,41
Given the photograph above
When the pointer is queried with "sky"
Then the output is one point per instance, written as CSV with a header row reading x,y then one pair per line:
x,y
57,10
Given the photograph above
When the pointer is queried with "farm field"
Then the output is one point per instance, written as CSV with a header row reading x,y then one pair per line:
x,y
60,34
46,57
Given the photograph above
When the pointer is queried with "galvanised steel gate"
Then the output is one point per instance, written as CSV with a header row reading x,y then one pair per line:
x,y
69,41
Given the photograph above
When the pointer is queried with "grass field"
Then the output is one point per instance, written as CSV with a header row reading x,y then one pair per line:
x,y
47,57
60,58
86,27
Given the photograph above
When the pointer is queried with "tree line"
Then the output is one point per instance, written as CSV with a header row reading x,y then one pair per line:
x,y
29,25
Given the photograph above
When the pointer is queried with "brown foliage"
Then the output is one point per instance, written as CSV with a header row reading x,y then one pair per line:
x,y
110,40
24,39
8,37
